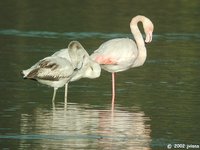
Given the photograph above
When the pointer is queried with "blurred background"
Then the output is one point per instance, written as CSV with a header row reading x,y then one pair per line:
x,y
156,104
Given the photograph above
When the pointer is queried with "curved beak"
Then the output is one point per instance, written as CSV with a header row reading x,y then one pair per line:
x,y
148,37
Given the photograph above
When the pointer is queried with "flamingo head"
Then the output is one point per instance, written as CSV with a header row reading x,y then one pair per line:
x,y
148,29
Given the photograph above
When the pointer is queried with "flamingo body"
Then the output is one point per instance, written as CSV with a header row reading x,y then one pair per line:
x,y
121,54
116,55
89,68
52,71
64,66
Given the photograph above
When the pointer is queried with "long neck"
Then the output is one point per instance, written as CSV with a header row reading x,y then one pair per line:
x,y
139,40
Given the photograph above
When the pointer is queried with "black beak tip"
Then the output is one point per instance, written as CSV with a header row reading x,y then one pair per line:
x,y
22,74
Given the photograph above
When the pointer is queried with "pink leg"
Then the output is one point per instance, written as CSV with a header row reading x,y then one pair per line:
x,y
113,90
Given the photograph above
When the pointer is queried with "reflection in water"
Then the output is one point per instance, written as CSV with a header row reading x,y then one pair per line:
x,y
84,127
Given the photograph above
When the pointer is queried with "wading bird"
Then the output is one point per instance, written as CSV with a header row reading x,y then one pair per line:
x,y
64,66
121,54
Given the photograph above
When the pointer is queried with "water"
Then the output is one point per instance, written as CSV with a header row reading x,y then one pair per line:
x,y
156,104
81,126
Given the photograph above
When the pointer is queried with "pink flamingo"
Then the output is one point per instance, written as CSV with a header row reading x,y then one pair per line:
x,y
121,54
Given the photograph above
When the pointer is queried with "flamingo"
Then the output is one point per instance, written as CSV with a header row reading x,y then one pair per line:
x,y
67,65
121,54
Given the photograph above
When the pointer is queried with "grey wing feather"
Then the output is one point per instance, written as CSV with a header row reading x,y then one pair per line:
x,y
51,68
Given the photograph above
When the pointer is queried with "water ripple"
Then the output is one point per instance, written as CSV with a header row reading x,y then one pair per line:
x,y
100,35
70,35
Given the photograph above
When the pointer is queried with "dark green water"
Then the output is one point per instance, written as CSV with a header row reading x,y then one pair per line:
x,y
157,104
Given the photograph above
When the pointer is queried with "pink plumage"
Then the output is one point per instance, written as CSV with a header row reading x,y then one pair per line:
x,y
121,54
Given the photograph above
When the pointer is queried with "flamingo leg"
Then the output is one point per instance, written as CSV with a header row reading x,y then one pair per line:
x,y
113,90
54,94
66,89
